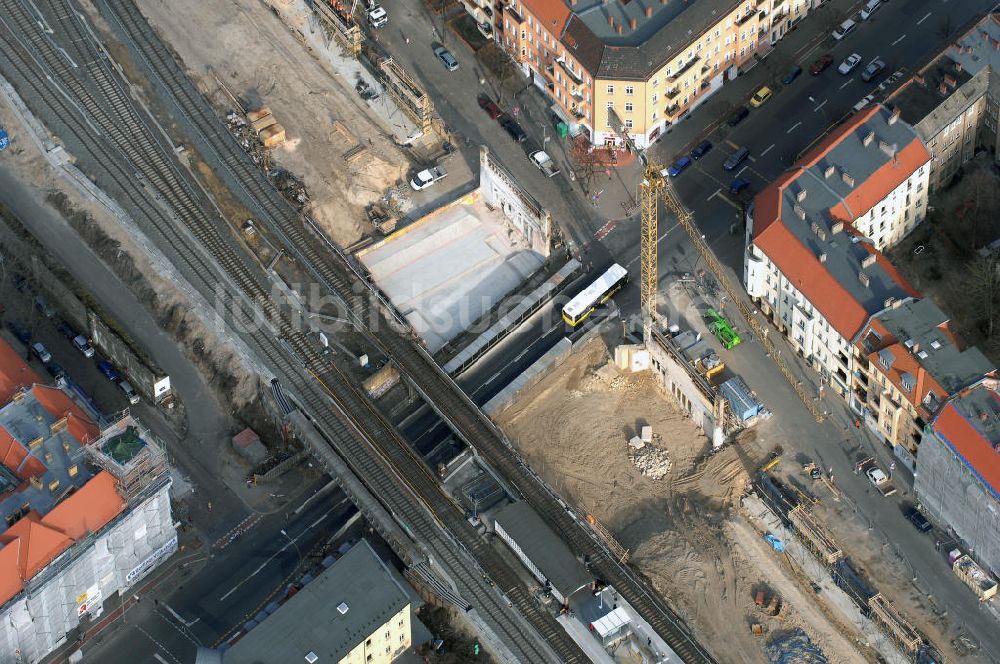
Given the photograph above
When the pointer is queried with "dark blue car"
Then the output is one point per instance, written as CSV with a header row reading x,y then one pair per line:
x,y
22,333
679,166
701,150
738,185
108,370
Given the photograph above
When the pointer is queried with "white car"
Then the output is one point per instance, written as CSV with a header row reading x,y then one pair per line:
x,y
848,65
80,343
38,350
876,476
130,393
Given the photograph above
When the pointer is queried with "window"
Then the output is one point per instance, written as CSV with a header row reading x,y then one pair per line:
x,y
401,638
656,97
628,124
611,90
628,107
629,90
611,104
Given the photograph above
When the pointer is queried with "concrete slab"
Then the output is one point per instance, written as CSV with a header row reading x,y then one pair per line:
x,y
447,269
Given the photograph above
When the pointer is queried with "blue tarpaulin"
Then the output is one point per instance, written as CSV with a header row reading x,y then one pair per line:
x,y
775,542
4,140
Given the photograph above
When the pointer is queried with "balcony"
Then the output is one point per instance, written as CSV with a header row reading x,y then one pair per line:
x,y
690,63
746,19
673,92
569,72
672,109
576,94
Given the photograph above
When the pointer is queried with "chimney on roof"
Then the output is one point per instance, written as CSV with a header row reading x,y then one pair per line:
x,y
822,257
889,149
896,304
868,260
801,195
847,178
869,137
949,80
799,212
919,78
889,302
611,20
828,171
863,278
943,89
618,28
895,115
634,23
958,66
649,12
837,227
983,417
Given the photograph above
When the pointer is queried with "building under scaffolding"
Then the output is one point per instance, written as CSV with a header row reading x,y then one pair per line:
x,y
408,94
96,519
337,17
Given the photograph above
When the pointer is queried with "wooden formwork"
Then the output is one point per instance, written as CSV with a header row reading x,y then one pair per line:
x,y
894,624
338,18
409,95
817,538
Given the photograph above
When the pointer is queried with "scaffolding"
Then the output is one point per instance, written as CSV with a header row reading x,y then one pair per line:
x,y
894,624
338,18
127,451
408,94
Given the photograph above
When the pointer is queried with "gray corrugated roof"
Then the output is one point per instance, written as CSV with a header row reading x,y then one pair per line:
x,y
844,251
636,54
917,325
310,621
546,550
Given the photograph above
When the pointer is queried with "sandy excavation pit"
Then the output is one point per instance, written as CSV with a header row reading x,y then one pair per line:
x,y
683,531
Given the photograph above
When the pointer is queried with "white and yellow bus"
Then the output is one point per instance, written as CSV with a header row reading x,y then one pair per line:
x,y
594,295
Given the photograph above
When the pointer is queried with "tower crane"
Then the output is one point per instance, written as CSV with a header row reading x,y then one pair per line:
x,y
655,186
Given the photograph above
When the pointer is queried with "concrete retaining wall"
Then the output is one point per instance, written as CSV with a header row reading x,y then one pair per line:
x,y
151,383
529,377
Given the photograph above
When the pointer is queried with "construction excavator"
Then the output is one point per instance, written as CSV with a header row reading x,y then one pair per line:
x,y
656,186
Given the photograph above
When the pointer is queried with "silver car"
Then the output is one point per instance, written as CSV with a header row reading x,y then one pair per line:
x,y
445,56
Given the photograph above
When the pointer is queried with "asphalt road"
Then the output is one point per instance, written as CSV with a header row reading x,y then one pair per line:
x,y
199,605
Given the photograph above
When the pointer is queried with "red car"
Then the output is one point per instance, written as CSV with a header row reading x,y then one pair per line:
x,y
490,107
817,67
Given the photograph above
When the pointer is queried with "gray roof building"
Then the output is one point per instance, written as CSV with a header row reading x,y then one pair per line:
x,y
329,616
539,547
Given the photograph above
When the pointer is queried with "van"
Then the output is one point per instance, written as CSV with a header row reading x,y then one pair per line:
x,y
844,29
130,393
736,159
80,343
870,8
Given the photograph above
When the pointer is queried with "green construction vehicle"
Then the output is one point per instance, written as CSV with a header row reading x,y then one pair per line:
x,y
722,330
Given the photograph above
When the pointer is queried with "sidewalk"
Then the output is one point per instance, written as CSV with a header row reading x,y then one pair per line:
x,y
794,48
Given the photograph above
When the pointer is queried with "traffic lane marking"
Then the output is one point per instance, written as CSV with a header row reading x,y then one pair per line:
x,y
898,40
714,194
732,145
725,199
792,128
846,83
927,16
821,105
767,149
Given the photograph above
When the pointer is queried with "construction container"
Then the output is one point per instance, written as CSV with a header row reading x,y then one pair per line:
x,y
262,112
975,577
263,123
273,135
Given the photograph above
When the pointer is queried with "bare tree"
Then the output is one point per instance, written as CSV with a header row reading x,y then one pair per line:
x,y
984,284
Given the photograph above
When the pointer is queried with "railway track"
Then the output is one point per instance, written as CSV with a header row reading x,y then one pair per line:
x,y
125,145
339,274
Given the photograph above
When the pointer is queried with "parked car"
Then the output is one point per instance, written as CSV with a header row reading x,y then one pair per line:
x,y
108,370
427,177
918,520
445,56
22,333
544,163
678,166
377,16
760,97
130,393
39,350
880,480
43,305
738,115
848,65
489,106
701,150
821,64
67,330
55,370
81,344
873,69
738,185
792,74
511,126
844,29
736,159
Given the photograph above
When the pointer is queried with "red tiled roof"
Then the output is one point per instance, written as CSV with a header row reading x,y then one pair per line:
x,y
15,456
883,181
552,14
960,434
14,373
34,541
59,405
800,265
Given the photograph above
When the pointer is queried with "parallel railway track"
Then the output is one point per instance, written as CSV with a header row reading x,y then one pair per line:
x,y
385,462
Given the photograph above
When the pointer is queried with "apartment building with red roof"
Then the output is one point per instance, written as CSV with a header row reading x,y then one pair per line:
x,y
85,510
908,363
958,482
815,236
